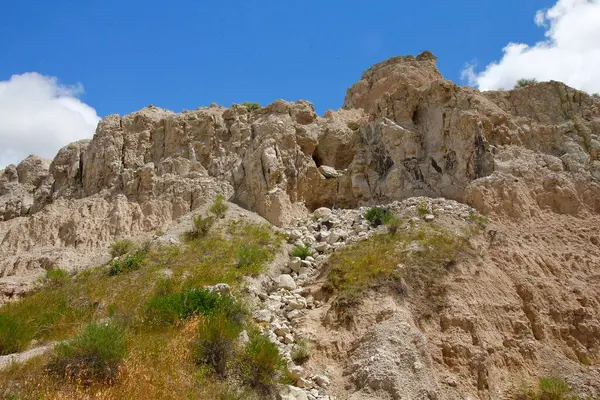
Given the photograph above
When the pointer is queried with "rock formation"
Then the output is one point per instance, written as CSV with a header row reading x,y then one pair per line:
x,y
527,157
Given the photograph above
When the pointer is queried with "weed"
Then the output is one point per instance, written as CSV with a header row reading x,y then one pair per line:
x,y
353,125
376,215
251,106
216,343
252,257
127,263
301,352
14,334
95,354
521,83
260,364
56,277
392,222
301,251
159,233
478,218
219,207
200,227
121,247
423,209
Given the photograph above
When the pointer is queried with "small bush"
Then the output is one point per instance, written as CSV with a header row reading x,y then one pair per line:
x,y
376,215
121,247
301,251
94,354
301,352
14,334
423,209
201,227
167,309
553,388
127,263
56,277
251,106
216,343
480,219
521,83
260,365
219,207
596,95
353,125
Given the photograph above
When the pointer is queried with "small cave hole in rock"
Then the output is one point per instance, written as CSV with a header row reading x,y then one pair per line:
x,y
317,159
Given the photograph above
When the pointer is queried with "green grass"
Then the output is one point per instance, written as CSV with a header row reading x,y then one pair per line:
x,y
551,388
127,263
301,352
251,257
95,354
260,365
423,209
353,125
301,251
56,312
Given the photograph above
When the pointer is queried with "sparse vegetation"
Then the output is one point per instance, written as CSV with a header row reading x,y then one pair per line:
x,y
216,343
252,257
377,215
419,255
521,83
392,222
353,125
301,251
260,364
121,247
301,352
251,106
478,218
95,354
218,208
596,95
56,277
551,388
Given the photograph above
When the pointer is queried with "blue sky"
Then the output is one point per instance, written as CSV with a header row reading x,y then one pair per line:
x,y
185,54
65,64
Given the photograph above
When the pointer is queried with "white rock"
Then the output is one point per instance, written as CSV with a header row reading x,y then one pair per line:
x,y
328,172
293,393
287,282
322,380
305,264
288,339
297,372
322,247
244,338
304,383
295,263
294,314
294,234
304,271
429,217
298,304
321,212
263,316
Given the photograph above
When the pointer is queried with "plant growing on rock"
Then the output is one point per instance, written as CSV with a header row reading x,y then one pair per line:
x,y
301,352
127,263
251,106
422,208
200,227
392,222
301,251
218,208
521,83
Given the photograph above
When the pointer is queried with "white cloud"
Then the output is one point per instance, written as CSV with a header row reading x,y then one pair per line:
x,y
39,116
570,53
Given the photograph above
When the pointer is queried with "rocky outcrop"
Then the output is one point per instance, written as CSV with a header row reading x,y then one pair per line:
x,y
403,131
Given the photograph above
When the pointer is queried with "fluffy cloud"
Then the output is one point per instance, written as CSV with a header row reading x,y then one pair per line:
x,y
570,53
39,116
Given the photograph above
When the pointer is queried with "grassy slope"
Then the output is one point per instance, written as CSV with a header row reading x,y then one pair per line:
x,y
63,307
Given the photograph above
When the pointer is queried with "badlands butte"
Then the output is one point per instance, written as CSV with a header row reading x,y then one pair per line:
x,y
514,174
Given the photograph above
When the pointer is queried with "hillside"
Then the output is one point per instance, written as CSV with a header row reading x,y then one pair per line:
x,y
450,244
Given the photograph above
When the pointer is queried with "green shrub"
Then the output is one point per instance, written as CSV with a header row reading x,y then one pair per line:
x,y
376,215
596,95
94,354
167,309
260,364
219,207
553,388
200,227
301,352
301,251
216,343
353,125
14,334
127,263
252,257
121,247
521,83
56,277
251,106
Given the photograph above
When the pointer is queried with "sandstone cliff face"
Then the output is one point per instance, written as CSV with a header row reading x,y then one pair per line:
x,y
527,157
510,153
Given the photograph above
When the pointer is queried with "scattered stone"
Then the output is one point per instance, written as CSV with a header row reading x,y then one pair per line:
x,y
322,380
287,282
295,263
321,212
262,316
